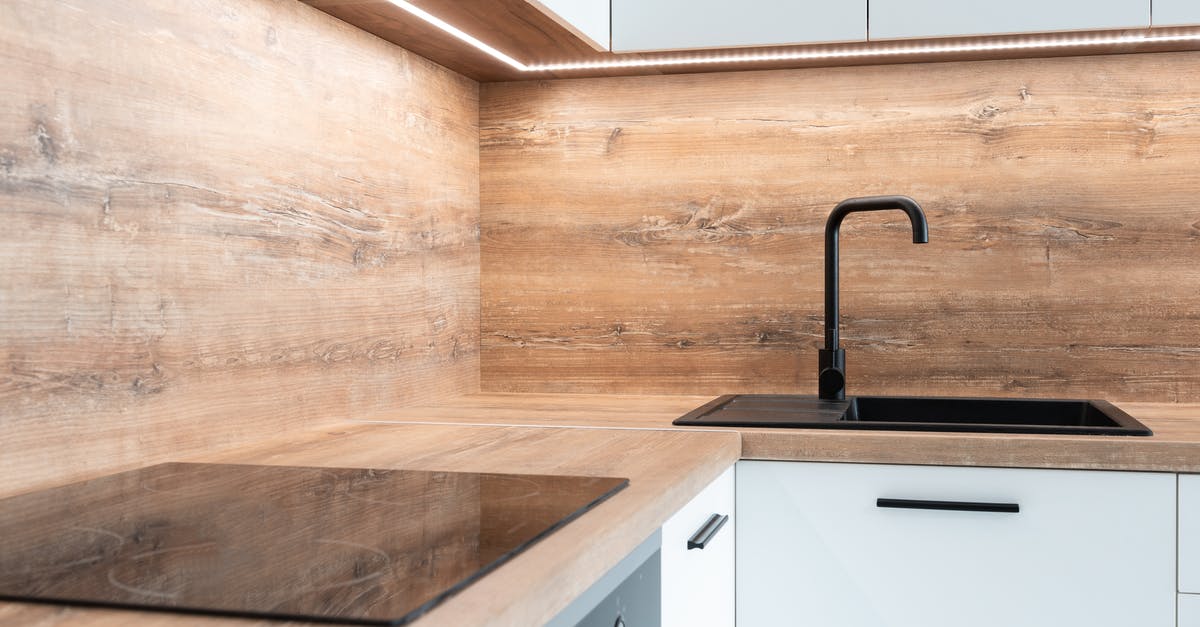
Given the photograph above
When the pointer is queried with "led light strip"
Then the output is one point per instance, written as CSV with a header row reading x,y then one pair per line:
x,y
458,34
881,50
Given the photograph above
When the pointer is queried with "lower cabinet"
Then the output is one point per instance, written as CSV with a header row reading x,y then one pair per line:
x,y
681,576
1189,550
859,545
628,595
633,603
1189,534
698,559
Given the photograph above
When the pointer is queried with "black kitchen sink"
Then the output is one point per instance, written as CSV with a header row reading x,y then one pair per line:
x,y
977,415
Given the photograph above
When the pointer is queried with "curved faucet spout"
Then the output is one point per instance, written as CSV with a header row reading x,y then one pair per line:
x,y
832,366
909,206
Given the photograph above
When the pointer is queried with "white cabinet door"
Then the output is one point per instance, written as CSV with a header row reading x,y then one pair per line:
x,y
642,25
895,19
1085,548
588,19
1189,533
1175,12
697,588
1189,610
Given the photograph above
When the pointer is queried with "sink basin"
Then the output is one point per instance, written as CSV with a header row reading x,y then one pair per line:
x,y
978,415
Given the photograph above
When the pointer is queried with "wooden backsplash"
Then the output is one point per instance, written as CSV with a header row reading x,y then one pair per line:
x,y
664,234
222,219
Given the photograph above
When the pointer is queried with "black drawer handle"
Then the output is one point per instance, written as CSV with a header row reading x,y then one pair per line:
x,y
957,506
705,534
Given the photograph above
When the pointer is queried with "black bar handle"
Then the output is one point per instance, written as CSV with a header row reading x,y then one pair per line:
x,y
705,534
957,506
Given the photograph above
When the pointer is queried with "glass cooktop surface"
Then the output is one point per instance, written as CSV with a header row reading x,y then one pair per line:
x,y
333,544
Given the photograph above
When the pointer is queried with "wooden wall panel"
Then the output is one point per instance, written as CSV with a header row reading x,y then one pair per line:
x,y
664,234
222,219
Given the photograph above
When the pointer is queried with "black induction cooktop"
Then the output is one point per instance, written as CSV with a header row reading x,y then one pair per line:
x,y
327,544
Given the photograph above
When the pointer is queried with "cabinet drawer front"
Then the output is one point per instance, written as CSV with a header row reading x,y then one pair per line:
x,y
698,583
1189,533
1081,548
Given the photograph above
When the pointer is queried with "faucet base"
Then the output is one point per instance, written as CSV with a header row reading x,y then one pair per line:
x,y
831,382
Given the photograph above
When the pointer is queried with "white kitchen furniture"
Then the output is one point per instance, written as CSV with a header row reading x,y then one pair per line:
x,y
683,573
643,25
1175,12
698,584
1042,548
899,19
589,19
1189,534
1189,550
1189,610
658,25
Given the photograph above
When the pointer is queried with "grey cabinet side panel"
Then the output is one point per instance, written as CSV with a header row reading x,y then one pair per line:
x,y
635,583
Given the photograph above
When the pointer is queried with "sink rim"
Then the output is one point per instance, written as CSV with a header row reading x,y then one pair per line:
x,y
826,414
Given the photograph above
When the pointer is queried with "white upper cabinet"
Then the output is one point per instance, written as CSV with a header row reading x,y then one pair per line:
x,y
588,19
644,25
1189,610
659,25
1175,12
898,19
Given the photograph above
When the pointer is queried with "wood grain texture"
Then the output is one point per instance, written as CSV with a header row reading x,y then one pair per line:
x,y
24,614
222,219
514,27
601,411
664,235
666,469
523,30
1174,447
629,435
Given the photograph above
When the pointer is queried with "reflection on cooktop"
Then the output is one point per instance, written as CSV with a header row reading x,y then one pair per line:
x,y
335,544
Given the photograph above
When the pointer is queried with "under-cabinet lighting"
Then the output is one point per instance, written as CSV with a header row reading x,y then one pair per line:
x,y
889,49
458,34
881,50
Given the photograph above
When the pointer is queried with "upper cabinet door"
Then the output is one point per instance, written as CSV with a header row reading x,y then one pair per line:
x,y
588,19
1176,12
644,25
897,19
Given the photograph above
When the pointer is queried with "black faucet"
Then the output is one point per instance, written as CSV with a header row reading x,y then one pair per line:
x,y
831,380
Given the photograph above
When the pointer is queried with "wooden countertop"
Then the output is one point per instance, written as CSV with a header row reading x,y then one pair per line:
x,y
1174,447
665,470
628,436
